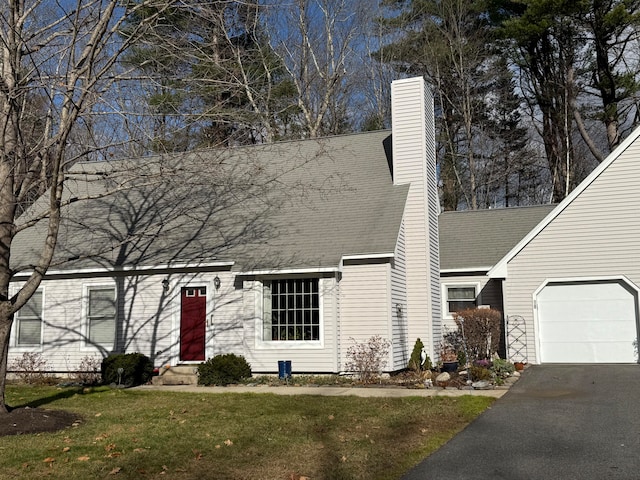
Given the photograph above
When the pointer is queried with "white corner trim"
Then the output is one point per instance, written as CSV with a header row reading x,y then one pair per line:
x,y
500,270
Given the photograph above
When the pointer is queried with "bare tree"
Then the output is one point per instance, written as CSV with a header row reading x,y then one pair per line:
x,y
317,41
59,54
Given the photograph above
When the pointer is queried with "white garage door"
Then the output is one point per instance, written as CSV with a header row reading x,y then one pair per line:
x,y
587,323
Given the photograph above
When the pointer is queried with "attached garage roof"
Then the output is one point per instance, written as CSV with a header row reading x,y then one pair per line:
x,y
475,240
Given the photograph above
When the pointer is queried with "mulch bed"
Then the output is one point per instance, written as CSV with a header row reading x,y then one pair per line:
x,y
20,421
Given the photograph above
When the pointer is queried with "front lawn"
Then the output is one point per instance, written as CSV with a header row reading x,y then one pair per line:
x,y
129,434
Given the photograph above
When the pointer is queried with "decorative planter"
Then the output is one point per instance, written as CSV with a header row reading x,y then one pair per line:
x,y
450,367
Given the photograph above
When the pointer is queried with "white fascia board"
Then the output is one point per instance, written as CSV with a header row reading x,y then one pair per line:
x,y
168,266
367,256
500,269
465,270
290,271
364,256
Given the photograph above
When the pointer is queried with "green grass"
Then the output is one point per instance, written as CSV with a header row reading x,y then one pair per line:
x,y
129,434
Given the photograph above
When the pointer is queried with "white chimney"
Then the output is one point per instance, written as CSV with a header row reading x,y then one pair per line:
x,y
414,163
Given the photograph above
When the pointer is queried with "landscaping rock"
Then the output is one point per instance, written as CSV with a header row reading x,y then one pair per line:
x,y
511,380
481,385
443,377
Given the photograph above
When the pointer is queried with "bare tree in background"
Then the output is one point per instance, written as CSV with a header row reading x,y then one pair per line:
x,y
56,58
317,41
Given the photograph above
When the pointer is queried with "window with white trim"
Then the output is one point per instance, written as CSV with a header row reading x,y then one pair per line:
x,y
101,315
291,310
460,297
29,322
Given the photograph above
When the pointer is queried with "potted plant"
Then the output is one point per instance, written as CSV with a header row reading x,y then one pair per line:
x,y
449,358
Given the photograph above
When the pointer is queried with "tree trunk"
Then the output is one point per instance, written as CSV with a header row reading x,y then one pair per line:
x,y
6,319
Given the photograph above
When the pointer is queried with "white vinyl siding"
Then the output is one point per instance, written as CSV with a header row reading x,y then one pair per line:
x,y
365,305
401,348
147,316
29,322
101,315
414,164
594,237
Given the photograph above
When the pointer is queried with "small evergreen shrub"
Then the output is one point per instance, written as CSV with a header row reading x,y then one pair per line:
x,y
137,369
415,362
223,370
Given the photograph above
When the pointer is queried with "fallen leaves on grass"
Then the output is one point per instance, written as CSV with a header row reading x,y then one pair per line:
x,y
115,471
83,458
49,460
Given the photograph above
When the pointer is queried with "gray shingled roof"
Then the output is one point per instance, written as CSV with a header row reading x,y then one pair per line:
x,y
478,239
300,204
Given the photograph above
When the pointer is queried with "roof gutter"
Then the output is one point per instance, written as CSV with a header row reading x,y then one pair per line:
x,y
124,269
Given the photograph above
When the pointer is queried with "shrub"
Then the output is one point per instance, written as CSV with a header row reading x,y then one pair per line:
x,y
369,358
30,368
479,373
137,369
482,327
415,362
88,372
223,370
502,368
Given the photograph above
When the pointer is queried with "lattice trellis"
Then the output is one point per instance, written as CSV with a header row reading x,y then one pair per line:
x,y
517,339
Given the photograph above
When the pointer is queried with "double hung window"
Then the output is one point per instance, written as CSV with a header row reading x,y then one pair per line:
x,y
101,315
29,322
460,298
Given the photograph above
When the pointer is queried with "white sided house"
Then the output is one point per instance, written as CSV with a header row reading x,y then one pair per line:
x,y
295,250
574,279
290,251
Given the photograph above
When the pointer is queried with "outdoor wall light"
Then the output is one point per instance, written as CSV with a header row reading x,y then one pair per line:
x,y
165,284
216,282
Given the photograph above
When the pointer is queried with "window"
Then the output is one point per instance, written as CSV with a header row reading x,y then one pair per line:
x,y
29,322
101,315
291,310
460,298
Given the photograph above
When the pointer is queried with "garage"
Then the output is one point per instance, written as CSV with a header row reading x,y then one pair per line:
x,y
587,322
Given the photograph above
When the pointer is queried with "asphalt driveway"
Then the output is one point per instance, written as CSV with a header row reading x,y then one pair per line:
x,y
558,422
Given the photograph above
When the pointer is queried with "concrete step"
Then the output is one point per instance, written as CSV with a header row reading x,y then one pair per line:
x,y
179,370
177,375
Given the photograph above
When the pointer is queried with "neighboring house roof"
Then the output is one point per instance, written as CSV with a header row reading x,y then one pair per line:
x,y
500,269
290,205
475,240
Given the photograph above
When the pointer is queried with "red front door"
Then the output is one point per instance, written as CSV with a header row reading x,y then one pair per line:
x,y
193,317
